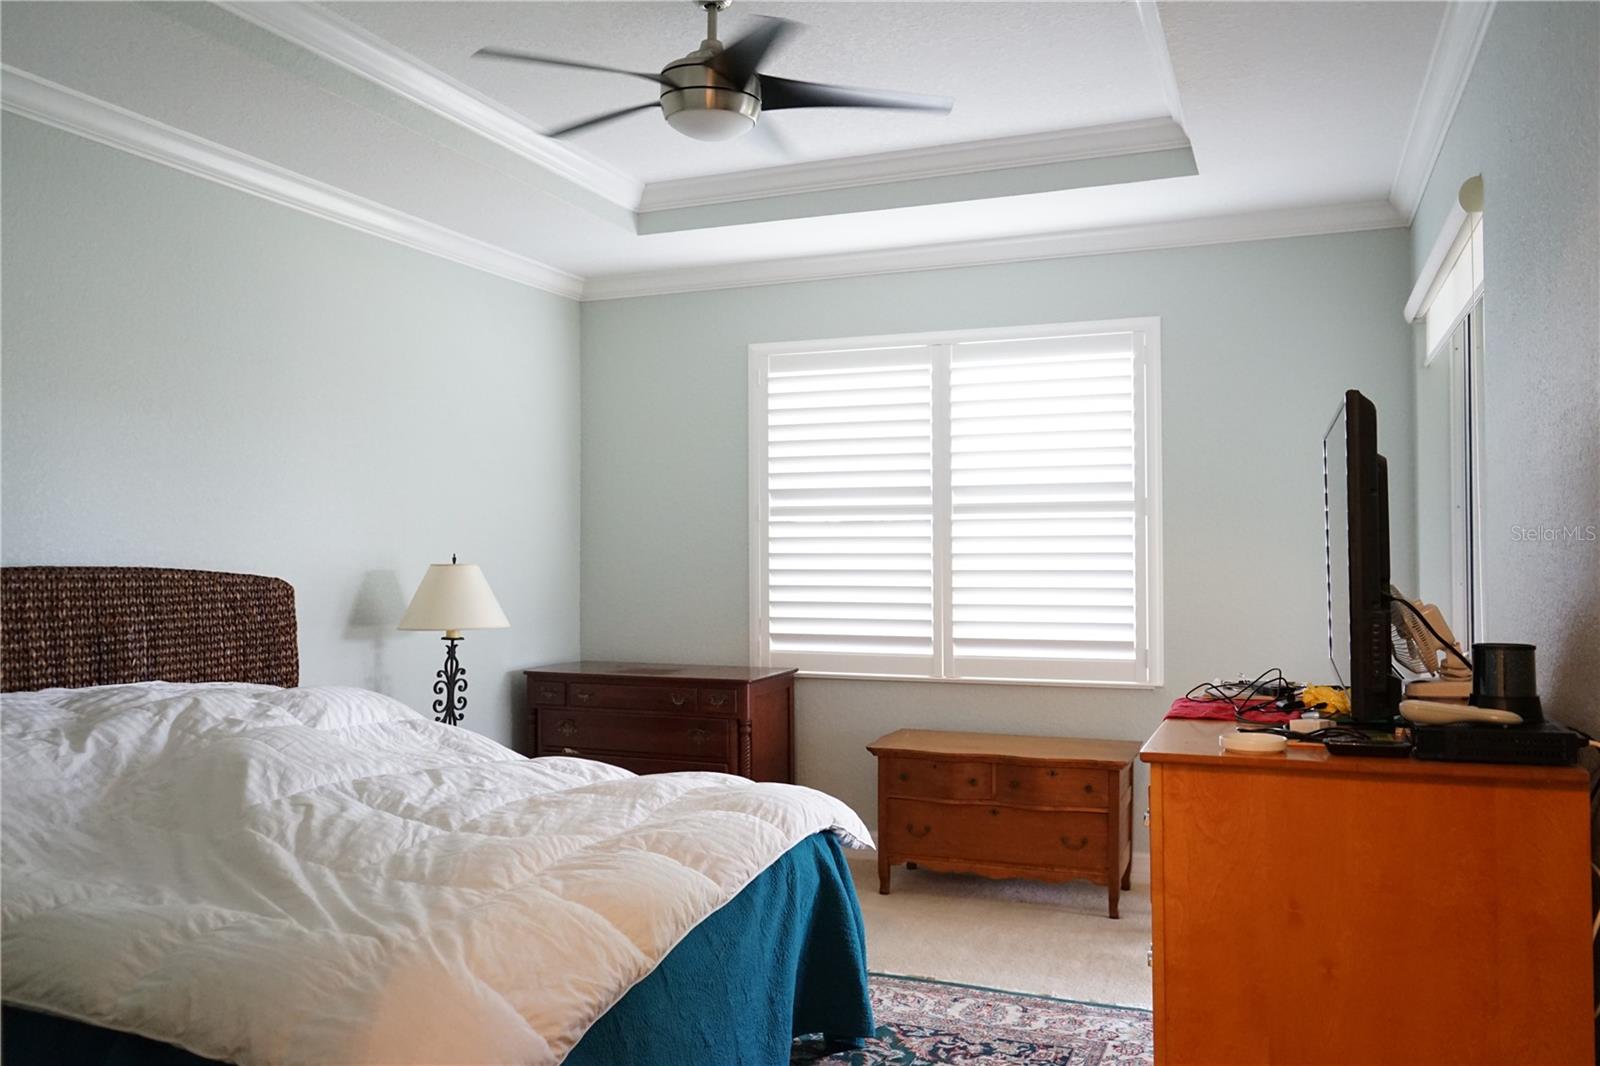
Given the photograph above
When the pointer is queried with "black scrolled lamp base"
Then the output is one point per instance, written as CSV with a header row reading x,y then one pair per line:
x,y
452,680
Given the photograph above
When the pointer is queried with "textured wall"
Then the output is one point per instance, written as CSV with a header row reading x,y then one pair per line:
x,y
1528,123
196,377
1258,343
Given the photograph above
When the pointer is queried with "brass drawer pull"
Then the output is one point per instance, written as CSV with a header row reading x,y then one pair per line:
x,y
717,699
567,727
571,751
549,695
1089,787
698,736
904,776
972,782
678,699
1082,843
582,695
913,830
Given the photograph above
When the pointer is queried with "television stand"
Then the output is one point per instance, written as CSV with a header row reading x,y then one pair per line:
x,y
1311,908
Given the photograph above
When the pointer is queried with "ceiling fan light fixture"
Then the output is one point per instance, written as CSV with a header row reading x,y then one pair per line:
x,y
711,124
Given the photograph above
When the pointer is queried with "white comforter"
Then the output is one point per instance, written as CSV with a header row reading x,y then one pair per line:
x,y
321,875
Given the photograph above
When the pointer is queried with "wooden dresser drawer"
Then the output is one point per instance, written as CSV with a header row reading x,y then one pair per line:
x,y
643,764
938,779
1052,786
993,833
719,701
547,693
699,739
633,697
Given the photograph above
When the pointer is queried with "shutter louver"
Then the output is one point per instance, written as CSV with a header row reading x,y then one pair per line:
x,y
1044,508
849,487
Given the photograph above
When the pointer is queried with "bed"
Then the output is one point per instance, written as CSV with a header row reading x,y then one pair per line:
x,y
195,851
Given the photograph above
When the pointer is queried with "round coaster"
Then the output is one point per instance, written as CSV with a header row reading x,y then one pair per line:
x,y
1254,743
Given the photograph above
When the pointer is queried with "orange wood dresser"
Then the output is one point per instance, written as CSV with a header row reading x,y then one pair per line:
x,y
656,718
1048,808
1311,908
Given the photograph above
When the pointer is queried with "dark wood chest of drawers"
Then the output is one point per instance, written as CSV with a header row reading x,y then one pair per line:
x,y
654,718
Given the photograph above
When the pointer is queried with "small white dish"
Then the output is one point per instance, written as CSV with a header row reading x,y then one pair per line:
x,y
1253,743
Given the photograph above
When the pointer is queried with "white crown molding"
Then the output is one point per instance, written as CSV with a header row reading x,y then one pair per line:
x,y
342,42
1144,236
56,105
1455,51
910,164
1155,38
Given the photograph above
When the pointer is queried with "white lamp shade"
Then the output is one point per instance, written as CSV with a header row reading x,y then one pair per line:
x,y
453,597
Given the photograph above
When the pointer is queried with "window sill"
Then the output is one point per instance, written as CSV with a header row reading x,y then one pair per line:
x,y
1035,683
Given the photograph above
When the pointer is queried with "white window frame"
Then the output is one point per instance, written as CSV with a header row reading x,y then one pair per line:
x,y
1149,631
1459,247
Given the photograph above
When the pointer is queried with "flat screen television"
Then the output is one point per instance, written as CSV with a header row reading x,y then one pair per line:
x,y
1355,507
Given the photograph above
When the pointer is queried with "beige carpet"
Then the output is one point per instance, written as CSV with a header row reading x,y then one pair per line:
x,y
1022,936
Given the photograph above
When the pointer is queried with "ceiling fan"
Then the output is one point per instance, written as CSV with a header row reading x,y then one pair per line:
x,y
717,91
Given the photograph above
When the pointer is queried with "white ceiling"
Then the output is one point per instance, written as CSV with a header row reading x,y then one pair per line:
x,y
1012,68
1301,111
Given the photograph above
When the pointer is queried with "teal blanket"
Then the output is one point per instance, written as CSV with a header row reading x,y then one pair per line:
x,y
786,957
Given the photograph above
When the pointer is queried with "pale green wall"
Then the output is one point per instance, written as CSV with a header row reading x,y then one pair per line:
x,y
195,377
1259,342
1528,123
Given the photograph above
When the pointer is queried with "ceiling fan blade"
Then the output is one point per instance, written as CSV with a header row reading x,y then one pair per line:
x,y
779,93
554,61
599,119
740,60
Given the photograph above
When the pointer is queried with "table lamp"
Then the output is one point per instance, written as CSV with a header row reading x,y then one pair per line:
x,y
453,596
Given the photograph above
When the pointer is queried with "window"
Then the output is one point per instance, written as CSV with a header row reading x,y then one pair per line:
x,y
980,505
1447,301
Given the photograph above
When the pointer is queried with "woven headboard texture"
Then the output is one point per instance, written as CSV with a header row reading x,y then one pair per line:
x,y
76,626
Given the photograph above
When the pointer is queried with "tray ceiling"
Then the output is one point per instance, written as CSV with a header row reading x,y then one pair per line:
x,y
1077,125
1066,66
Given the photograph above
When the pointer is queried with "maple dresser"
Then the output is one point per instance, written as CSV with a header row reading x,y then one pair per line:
x,y
658,718
1311,908
1048,808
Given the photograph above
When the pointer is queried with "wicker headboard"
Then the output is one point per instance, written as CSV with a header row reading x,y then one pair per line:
x,y
75,626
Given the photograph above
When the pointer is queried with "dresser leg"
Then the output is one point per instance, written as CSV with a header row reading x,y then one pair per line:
x,y
1127,878
883,873
1111,893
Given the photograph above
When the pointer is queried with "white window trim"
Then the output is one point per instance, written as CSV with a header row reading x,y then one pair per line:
x,y
1147,386
1462,222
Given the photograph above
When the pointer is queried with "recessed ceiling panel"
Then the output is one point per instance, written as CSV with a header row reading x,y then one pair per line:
x,y
1012,68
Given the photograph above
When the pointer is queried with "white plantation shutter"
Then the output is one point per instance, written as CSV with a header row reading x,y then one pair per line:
x,y
1043,513
964,506
849,498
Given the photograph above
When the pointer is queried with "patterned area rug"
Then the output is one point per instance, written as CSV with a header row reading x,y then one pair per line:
x,y
932,1023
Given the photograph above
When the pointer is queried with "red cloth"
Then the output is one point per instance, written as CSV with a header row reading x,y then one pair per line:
x,y
1183,707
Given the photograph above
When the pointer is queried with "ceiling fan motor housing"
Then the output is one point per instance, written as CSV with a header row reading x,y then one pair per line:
x,y
705,104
